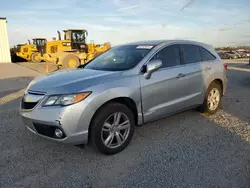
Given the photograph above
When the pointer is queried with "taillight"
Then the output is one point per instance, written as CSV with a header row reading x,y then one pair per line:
x,y
225,66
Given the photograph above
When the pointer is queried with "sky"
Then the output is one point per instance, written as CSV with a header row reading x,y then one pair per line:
x,y
218,22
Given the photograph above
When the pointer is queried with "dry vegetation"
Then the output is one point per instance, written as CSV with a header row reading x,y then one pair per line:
x,y
230,48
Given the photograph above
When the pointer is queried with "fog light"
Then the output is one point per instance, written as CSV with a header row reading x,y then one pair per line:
x,y
58,133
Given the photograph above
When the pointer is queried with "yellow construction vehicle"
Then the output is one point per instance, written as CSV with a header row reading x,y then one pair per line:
x,y
73,50
30,52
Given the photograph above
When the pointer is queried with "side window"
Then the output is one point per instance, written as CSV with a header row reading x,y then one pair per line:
x,y
190,53
169,56
206,55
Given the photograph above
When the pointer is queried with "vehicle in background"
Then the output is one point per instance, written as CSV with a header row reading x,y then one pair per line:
x,y
232,55
132,84
29,51
248,54
237,53
223,55
243,53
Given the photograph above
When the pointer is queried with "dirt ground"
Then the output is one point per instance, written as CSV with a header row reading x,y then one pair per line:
x,y
40,67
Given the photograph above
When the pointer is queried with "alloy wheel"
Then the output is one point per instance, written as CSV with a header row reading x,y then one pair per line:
x,y
213,99
115,130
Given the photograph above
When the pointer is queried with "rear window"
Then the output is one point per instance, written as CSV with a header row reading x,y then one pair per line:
x,y
206,55
190,53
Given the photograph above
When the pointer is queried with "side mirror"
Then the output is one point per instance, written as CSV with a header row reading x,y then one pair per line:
x,y
151,67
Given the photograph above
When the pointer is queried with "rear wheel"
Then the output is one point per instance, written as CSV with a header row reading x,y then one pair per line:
x,y
35,57
212,99
112,128
71,61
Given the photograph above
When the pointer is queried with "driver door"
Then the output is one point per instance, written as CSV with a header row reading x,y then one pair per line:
x,y
161,90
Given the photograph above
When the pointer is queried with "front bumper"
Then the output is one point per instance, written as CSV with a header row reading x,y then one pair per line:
x,y
73,120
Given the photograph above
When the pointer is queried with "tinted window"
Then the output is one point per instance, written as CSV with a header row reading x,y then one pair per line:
x,y
206,55
169,56
120,58
190,53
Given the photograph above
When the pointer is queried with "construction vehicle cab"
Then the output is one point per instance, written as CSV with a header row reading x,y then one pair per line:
x,y
13,52
77,38
40,44
18,47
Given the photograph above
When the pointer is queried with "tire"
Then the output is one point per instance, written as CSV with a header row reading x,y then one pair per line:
x,y
35,57
103,115
205,107
70,61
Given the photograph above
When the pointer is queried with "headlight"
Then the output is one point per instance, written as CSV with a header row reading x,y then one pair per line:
x,y
66,44
64,100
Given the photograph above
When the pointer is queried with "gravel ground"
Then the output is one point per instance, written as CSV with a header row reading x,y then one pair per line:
x,y
185,150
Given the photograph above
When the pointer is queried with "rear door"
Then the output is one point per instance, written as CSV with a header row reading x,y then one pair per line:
x,y
209,65
193,80
208,62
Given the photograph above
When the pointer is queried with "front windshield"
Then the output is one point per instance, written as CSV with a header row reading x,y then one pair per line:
x,y
119,58
78,36
39,42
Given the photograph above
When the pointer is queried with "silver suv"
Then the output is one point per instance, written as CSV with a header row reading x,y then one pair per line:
x,y
129,85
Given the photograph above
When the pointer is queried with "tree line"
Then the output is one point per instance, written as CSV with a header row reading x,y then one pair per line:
x,y
230,48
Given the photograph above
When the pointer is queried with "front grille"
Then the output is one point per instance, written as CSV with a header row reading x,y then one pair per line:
x,y
28,105
46,130
31,99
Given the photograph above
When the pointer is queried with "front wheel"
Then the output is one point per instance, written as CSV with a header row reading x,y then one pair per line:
x,y
112,128
35,57
71,61
212,99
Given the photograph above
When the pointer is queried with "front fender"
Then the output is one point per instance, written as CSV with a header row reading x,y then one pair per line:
x,y
101,96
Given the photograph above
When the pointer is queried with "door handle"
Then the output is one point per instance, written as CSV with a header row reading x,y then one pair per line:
x,y
207,68
180,75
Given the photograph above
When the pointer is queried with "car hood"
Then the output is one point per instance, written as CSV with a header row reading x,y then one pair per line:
x,y
70,81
